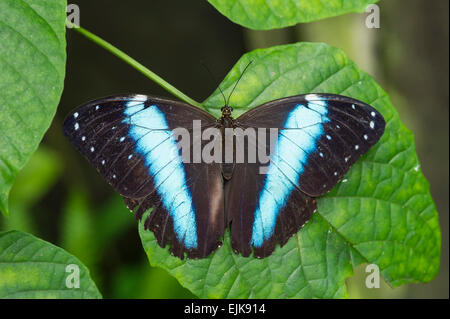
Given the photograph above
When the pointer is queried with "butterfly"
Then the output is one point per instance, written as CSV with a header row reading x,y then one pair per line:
x,y
132,141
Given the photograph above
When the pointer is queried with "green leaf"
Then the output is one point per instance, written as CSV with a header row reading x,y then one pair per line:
x,y
381,213
32,64
265,15
33,268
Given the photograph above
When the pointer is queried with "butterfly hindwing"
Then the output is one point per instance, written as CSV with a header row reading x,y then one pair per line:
x,y
255,223
130,140
319,137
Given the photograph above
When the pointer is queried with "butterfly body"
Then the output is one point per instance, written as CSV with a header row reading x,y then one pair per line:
x,y
262,185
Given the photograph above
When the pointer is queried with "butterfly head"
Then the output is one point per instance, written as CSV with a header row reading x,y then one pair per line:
x,y
226,120
226,111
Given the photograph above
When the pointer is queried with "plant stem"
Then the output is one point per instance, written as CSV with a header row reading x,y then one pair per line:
x,y
126,58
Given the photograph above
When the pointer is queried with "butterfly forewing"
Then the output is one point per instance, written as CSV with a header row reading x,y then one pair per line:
x,y
131,141
327,132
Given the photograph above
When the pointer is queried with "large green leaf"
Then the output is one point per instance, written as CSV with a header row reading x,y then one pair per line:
x,y
32,64
381,213
33,268
273,14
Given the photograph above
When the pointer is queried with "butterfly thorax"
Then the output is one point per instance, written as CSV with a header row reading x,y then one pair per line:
x,y
226,120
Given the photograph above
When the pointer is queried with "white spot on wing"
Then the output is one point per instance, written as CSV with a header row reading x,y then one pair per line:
x,y
137,100
312,97
75,115
365,137
372,124
122,138
103,162
328,137
76,126
92,149
140,97
372,113
356,147
97,107
83,138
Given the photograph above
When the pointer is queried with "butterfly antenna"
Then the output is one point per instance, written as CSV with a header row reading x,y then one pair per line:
x,y
214,79
238,82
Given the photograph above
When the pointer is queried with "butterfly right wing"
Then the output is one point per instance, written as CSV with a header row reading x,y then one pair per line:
x,y
318,137
130,140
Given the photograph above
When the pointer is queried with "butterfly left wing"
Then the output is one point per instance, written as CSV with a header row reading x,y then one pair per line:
x,y
131,141
319,137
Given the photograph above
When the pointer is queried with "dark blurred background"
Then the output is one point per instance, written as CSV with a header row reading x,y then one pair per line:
x,y
59,197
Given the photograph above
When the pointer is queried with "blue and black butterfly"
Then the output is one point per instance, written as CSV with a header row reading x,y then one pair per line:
x,y
130,141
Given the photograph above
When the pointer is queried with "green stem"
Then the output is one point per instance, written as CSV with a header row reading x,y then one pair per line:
x,y
126,58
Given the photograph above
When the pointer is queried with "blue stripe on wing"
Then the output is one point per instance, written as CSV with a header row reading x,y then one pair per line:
x,y
303,128
155,142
